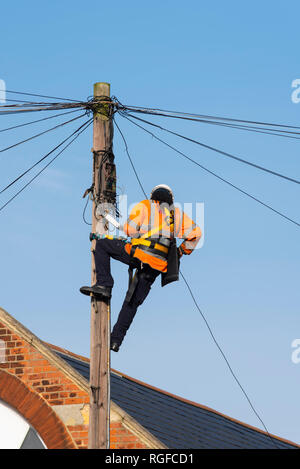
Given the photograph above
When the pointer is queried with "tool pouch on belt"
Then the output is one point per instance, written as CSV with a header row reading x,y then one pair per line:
x,y
172,274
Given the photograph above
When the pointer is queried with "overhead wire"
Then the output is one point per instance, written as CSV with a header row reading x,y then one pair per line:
x,y
41,133
83,127
26,104
9,100
38,95
210,330
38,107
225,357
37,163
84,210
179,114
39,120
262,130
217,150
130,159
214,174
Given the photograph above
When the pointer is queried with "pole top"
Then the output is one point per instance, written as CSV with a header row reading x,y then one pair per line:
x,y
101,89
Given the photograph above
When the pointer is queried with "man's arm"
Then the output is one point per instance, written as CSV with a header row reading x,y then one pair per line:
x,y
191,234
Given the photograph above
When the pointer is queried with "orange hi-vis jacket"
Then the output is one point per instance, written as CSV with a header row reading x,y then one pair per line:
x,y
151,225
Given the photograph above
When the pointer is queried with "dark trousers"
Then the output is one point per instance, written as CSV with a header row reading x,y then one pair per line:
x,y
105,249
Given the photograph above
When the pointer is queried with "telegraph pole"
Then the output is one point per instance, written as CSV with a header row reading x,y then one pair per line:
x,y
103,192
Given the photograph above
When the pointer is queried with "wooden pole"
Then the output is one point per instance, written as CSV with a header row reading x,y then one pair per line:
x,y
100,309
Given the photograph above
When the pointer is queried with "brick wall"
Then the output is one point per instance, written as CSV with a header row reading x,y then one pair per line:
x,y
80,435
121,438
27,364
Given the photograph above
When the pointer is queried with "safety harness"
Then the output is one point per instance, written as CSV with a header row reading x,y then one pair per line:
x,y
160,247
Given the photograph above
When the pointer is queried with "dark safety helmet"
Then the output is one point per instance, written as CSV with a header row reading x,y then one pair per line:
x,y
162,193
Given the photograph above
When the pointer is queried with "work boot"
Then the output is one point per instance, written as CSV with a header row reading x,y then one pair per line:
x,y
97,290
114,346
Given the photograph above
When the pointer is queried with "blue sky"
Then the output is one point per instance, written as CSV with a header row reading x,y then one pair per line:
x,y
229,59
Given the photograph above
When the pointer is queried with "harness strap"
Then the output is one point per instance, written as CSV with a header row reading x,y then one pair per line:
x,y
159,227
133,279
154,251
151,244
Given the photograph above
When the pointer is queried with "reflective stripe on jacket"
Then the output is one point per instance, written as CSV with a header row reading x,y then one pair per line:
x,y
150,220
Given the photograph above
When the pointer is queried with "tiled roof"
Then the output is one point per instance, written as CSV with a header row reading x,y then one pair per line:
x,y
176,422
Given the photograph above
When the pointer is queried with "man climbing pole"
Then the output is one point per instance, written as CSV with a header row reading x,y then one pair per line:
x,y
153,226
